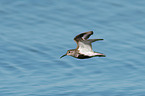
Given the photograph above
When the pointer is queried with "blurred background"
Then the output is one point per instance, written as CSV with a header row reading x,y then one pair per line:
x,y
34,34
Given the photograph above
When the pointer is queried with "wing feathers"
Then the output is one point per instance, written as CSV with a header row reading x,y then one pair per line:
x,y
83,36
93,40
84,44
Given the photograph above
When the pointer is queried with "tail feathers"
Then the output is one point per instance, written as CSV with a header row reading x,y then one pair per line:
x,y
99,54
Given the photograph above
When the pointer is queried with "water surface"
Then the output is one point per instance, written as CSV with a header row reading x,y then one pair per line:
x,y
35,34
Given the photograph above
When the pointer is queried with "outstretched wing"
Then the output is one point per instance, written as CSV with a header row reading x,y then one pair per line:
x,y
84,44
83,36
85,47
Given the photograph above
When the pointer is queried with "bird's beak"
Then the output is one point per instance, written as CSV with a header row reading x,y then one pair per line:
x,y
63,55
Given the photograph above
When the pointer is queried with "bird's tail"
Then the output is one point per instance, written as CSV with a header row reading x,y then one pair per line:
x,y
100,54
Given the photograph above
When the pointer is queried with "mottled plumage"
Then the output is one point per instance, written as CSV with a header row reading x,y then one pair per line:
x,y
84,47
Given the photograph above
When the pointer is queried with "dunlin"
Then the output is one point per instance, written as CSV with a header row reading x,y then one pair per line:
x,y
84,47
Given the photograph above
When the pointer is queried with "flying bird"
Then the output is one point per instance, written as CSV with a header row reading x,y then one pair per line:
x,y
84,47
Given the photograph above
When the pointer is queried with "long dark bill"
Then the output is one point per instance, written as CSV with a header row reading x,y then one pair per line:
x,y
63,55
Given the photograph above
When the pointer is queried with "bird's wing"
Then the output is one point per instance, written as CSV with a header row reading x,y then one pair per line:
x,y
85,47
83,36
84,44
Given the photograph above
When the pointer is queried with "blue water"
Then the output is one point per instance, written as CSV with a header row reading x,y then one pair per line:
x,y
34,34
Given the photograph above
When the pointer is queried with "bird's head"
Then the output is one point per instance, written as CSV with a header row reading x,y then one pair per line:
x,y
69,52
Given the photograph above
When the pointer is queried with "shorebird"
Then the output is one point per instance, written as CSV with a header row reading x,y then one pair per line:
x,y
84,47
